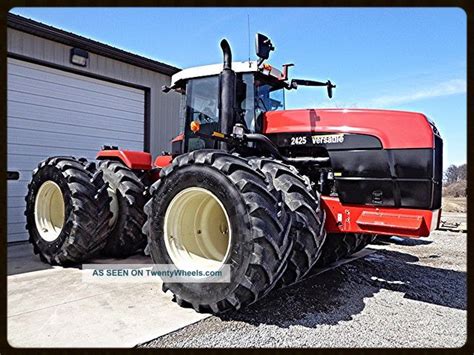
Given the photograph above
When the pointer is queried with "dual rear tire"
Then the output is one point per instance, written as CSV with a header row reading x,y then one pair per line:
x,y
340,246
307,229
128,197
66,211
75,211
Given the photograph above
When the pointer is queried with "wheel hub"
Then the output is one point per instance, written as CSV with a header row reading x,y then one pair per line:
x,y
197,230
49,211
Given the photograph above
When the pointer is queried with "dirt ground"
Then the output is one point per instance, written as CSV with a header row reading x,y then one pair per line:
x,y
408,293
454,204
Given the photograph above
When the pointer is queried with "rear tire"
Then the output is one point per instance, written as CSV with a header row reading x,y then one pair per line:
x,y
128,199
307,228
66,211
258,242
340,246
364,240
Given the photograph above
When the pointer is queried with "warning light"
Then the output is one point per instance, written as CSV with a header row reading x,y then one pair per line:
x,y
195,126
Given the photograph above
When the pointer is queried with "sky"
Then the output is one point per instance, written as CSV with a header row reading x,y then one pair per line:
x,y
411,59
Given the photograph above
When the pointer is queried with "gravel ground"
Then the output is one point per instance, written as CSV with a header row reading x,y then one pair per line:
x,y
409,293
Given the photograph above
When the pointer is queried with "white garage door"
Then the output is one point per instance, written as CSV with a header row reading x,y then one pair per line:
x,y
53,112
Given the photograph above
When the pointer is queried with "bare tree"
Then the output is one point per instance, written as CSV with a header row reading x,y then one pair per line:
x,y
462,172
451,174
455,173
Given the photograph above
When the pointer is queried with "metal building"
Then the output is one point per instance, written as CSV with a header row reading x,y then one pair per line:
x,y
69,95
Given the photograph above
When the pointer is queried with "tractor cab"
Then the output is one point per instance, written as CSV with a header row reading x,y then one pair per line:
x,y
257,90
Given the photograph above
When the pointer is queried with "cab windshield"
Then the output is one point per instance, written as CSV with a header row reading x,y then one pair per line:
x,y
255,96
269,98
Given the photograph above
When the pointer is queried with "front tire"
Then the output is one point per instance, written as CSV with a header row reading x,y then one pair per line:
x,y
245,204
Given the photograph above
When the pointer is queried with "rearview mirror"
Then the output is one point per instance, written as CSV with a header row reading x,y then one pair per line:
x,y
330,87
263,46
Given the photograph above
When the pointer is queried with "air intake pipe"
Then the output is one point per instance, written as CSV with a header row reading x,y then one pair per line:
x,y
227,93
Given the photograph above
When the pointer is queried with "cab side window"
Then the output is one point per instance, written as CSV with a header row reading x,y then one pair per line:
x,y
202,106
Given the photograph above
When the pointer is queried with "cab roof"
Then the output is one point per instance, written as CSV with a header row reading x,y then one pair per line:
x,y
215,69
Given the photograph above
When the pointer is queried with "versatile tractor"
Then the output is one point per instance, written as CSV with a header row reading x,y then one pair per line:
x,y
272,193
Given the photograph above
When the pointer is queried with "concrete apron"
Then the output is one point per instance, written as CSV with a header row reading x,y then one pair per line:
x,y
55,308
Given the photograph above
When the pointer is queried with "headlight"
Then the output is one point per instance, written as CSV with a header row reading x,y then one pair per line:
x,y
238,130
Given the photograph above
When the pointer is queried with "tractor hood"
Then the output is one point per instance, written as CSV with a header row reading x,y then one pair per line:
x,y
379,157
394,129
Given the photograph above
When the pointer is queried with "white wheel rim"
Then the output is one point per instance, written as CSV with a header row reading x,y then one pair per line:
x,y
197,230
49,211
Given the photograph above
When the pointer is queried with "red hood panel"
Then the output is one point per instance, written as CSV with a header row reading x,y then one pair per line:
x,y
395,129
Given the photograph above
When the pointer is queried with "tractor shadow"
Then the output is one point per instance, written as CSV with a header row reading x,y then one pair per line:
x,y
386,240
338,294
21,259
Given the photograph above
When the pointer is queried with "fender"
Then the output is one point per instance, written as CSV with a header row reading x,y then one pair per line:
x,y
163,161
135,160
178,138
177,145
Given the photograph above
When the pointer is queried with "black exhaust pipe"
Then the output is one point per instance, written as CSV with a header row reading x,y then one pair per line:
x,y
227,54
227,93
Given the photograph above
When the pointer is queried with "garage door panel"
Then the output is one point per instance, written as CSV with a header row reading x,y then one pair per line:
x,y
19,150
75,119
52,112
16,215
15,202
22,84
14,163
17,237
46,101
79,141
75,95
61,128
18,227
29,163
78,97
51,75
17,188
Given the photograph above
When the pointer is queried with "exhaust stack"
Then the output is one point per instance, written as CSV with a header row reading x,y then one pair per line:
x,y
227,93
226,51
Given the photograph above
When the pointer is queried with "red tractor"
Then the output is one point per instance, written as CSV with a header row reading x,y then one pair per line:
x,y
272,193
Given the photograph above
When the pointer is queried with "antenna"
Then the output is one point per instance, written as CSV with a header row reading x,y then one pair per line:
x,y
248,32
